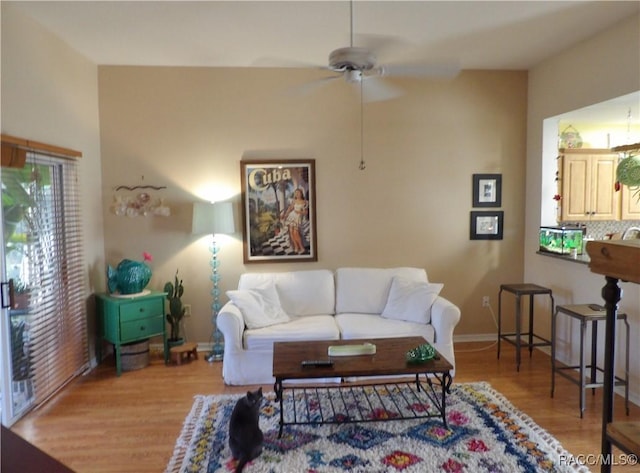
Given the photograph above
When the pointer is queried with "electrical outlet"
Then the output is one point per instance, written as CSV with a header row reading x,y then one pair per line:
x,y
485,301
187,310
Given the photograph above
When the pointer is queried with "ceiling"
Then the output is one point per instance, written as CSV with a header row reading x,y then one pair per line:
x,y
473,34
478,34
620,111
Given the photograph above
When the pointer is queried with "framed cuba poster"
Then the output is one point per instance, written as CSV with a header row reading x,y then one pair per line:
x,y
278,211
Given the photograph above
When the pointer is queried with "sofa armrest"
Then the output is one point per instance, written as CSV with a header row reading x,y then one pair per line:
x,y
444,318
231,324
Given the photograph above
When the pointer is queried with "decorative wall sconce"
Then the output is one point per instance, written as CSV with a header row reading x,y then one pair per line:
x,y
141,204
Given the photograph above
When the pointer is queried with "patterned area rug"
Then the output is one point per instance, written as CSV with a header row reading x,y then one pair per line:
x,y
485,434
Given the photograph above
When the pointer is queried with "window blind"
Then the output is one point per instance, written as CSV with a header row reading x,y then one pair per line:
x,y
57,341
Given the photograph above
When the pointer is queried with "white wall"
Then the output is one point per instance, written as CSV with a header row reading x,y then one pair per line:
x,y
50,94
604,67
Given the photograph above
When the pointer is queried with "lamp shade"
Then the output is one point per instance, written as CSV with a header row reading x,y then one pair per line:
x,y
212,218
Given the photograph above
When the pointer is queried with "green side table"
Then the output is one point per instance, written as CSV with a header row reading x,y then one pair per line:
x,y
130,319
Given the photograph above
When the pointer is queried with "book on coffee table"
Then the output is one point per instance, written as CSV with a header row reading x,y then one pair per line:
x,y
352,350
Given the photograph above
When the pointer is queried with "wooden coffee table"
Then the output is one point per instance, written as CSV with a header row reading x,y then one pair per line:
x,y
388,361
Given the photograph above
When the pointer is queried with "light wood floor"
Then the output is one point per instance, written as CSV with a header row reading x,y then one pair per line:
x,y
102,423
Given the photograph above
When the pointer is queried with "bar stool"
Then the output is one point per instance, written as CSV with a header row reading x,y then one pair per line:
x,y
519,290
587,313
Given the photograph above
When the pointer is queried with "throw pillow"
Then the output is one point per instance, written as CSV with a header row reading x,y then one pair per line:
x,y
411,301
260,306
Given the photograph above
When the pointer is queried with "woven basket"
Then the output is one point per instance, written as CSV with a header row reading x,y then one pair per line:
x,y
134,356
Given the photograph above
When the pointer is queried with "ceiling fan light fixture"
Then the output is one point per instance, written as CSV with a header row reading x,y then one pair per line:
x,y
353,77
351,59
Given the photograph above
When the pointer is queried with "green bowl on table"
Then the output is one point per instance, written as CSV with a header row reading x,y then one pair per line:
x,y
421,353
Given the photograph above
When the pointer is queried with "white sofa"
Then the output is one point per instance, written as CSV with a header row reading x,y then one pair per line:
x,y
352,303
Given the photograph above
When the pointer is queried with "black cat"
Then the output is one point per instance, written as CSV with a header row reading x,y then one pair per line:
x,y
245,436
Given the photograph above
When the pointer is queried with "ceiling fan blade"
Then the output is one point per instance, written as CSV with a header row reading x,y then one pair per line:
x,y
435,71
375,89
309,87
385,47
285,63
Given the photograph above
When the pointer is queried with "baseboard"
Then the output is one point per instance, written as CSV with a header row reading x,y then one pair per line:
x,y
156,348
489,337
476,337
633,399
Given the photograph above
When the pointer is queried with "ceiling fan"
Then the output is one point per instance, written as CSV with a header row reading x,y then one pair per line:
x,y
358,65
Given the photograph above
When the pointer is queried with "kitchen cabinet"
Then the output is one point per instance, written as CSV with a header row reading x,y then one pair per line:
x,y
630,198
587,185
630,208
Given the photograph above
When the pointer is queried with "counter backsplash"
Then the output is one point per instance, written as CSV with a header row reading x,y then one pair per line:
x,y
600,230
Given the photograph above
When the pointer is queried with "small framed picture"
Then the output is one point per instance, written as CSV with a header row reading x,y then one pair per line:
x,y
487,190
486,225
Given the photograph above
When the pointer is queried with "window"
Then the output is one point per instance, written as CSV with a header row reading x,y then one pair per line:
x,y
44,296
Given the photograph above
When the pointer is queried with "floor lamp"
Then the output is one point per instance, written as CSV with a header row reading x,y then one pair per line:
x,y
214,219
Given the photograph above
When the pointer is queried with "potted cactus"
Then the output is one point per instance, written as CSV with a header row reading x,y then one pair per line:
x,y
176,310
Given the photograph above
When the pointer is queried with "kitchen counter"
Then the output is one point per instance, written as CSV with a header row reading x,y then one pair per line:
x,y
583,258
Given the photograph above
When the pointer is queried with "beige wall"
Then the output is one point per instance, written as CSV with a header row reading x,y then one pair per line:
x,y
50,94
605,67
188,129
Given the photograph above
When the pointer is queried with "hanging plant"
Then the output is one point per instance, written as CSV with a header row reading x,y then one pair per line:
x,y
628,174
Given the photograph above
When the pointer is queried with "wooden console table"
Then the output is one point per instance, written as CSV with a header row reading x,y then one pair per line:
x,y
616,260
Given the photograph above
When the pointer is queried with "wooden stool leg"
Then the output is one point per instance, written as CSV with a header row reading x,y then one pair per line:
x,y
518,331
530,325
554,317
626,367
499,320
583,332
594,353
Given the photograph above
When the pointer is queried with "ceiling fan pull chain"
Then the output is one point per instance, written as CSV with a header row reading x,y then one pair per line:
x,y
351,19
362,165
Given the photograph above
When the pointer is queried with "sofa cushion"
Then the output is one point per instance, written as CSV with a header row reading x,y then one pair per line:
x,y
301,292
298,329
260,306
356,326
365,290
411,301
